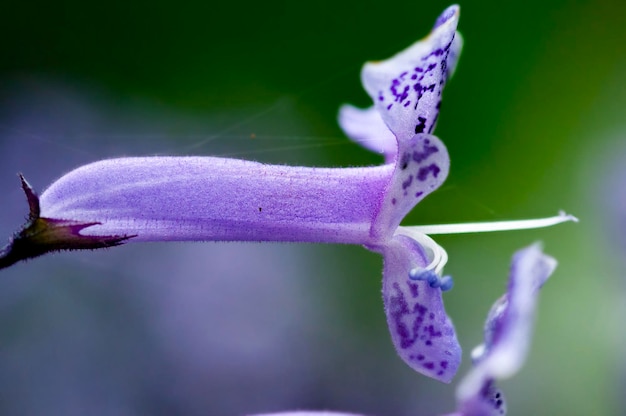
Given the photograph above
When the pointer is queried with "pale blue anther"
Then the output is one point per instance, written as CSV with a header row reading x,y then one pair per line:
x,y
433,280
445,283
423,274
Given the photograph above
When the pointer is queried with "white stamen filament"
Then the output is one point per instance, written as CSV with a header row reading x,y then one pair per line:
x,y
438,257
481,227
436,254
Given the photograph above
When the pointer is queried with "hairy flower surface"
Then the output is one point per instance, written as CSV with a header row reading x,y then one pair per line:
x,y
208,198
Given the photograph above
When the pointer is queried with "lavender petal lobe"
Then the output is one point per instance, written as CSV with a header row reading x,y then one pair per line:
x,y
421,332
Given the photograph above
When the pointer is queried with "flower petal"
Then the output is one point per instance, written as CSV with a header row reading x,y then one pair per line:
x,y
507,334
488,401
421,167
421,332
367,128
406,88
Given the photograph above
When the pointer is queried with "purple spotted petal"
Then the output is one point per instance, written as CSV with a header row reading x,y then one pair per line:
x,y
446,15
406,90
488,401
421,332
407,87
421,167
508,332
207,198
367,128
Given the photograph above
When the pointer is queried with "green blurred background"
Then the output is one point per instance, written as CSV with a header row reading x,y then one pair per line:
x,y
533,120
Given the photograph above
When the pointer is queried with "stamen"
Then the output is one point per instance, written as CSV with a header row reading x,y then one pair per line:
x,y
435,253
481,227
424,275
445,283
438,257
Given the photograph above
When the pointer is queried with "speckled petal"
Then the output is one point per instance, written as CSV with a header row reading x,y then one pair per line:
x,y
421,167
508,332
421,332
488,401
367,128
406,88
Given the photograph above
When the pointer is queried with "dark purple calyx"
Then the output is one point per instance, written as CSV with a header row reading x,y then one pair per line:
x,y
42,235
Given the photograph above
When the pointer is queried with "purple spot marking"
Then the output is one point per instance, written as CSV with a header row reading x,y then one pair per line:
x,y
404,162
432,126
436,52
419,128
428,149
492,396
400,91
420,357
445,16
404,95
432,332
429,343
423,172
393,201
414,289
398,310
408,182
444,364
419,308
429,365
418,194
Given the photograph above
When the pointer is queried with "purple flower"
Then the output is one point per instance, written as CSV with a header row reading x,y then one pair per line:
x,y
508,330
113,201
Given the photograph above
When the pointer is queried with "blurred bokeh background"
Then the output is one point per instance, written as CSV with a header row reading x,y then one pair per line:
x,y
533,120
